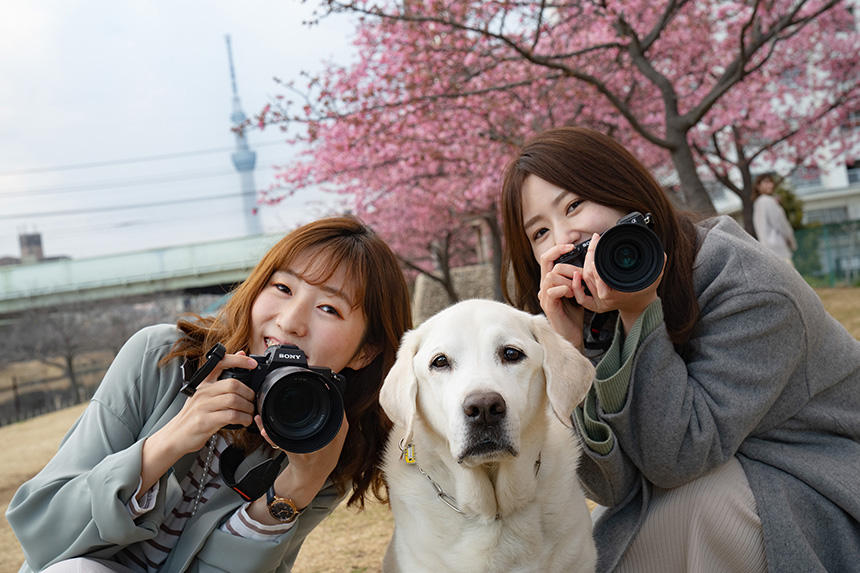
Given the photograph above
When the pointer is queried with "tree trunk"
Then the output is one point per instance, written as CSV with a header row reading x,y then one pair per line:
x,y
695,196
443,264
496,261
743,165
448,283
17,398
746,198
73,379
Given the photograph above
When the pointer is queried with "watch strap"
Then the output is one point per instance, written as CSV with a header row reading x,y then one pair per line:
x,y
283,509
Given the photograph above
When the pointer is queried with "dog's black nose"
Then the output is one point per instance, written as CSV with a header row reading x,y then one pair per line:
x,y
486,408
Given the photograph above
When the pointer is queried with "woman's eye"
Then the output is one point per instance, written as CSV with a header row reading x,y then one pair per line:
x,y
327,308
573,206
511,354
439,361
539,233
283,288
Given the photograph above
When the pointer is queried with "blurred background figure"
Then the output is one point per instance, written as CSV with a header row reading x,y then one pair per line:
x,y
769,220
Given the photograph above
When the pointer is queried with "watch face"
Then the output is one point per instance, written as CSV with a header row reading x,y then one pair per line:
x,y
281,510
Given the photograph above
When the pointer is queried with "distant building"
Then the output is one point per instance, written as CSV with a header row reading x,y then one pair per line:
x,y
830,194
31,251
31,247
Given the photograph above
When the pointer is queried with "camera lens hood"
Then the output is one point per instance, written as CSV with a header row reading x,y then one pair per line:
x,y
629,257
302,410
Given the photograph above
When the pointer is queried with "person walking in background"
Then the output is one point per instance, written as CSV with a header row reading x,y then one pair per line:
x,y
722,428
769,220
139,483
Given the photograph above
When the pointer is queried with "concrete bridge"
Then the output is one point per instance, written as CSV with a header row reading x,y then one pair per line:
x,y
194,267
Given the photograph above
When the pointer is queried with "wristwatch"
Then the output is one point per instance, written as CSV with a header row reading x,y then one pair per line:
x,y
281,508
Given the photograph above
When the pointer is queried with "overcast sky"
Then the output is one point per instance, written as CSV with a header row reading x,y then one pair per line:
x,y
87,82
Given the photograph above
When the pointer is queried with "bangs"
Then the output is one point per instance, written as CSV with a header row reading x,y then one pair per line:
x,y
323,261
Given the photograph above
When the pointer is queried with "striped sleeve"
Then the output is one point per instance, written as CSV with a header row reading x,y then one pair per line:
x,y
137,507
241,524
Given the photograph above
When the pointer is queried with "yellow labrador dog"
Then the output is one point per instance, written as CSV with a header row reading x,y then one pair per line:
x,y
481,462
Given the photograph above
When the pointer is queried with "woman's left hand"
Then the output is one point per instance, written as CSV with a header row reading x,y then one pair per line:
x,y
603,298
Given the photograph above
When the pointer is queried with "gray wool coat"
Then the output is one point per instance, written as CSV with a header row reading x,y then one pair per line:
x,y
768,377
76,506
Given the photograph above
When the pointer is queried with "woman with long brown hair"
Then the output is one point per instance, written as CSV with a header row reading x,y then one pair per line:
x,y
722,429
141,481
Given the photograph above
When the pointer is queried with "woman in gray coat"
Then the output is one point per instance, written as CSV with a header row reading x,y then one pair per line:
x,y
150,479
722,430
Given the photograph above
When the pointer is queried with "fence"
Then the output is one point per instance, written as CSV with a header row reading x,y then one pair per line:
x,y
829,255
33,398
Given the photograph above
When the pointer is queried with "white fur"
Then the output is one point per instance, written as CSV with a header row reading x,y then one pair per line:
x,y
543,524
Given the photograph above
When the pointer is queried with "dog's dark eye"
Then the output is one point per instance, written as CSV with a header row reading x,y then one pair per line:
x,y
439,361
511,354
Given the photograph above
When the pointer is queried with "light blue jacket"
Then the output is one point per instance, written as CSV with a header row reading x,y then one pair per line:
x,y
76,506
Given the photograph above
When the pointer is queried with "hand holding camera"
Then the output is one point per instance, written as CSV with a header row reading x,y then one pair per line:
x,y
629,259
300,406
296,407
629,256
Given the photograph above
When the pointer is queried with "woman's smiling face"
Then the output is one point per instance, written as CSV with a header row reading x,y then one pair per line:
x,y
554,216
321,319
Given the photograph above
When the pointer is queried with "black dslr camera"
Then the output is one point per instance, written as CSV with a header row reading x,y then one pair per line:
x,y
629,256
301,405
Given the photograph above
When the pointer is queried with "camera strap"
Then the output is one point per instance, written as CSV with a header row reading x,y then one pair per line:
x,y
600,331
254,482
193,378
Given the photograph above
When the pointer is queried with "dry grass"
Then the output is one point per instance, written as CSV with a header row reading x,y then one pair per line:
x,y
347,541
844,304
27,447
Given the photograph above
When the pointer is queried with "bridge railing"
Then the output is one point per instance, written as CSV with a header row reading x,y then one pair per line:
x,y
27,286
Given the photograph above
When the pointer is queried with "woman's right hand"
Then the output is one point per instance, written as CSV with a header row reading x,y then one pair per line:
x,y
215,404
556,296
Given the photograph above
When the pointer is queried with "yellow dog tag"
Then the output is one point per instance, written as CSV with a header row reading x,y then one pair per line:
x,y
409,454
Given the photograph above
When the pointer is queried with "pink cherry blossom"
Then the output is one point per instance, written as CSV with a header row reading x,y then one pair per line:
x,y
418,128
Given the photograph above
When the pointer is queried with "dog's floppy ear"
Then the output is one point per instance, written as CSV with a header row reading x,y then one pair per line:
x,y
400,388
568,373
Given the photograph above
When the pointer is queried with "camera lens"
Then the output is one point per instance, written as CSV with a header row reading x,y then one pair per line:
x,y
629,257
626,257
297,407
301,410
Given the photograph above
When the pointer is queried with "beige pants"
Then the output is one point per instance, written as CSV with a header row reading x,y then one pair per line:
x,y
708,525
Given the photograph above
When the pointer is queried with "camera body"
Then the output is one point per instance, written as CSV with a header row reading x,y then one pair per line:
x,y
301,406
629,256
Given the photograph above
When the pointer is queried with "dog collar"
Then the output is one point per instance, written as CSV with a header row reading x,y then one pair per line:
x,y
407,454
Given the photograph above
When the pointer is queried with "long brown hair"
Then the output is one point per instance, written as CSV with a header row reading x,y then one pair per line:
x,y
597,168
379,288
759,179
